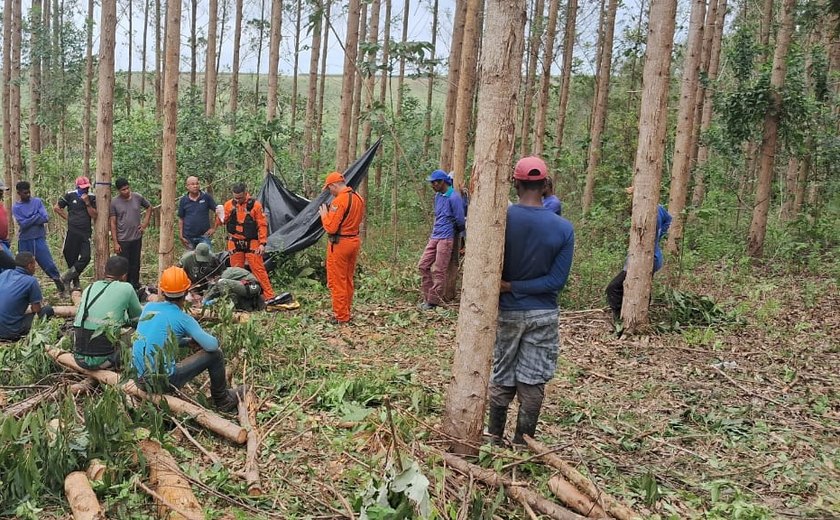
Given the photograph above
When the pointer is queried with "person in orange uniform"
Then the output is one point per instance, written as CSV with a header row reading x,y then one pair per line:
x,y
341,220
247,232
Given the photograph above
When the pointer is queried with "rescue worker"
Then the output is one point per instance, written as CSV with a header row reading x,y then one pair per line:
x,y
247,232
341,219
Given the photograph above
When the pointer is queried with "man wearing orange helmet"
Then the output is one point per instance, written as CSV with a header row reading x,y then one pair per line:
x,y
154,355
341,220
247,235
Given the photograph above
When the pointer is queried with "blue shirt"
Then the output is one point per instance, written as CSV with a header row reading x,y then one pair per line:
x,y
539,246
663,222
449,214
20,290
196,214
553,203
158,321
31,217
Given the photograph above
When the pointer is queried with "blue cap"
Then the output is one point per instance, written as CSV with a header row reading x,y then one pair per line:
x,y
438,175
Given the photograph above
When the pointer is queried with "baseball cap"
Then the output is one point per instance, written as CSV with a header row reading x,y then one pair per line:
x,y
82,182
530,168
202,253
333,177
438,175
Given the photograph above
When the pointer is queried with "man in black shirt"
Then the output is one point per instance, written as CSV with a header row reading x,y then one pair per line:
x,y
78,208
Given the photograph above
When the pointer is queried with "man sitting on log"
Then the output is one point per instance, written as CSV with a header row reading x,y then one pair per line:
x,y
20,289
106,306
154,352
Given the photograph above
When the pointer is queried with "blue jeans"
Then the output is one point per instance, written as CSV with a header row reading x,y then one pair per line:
x,y
191,366
39,248
194,241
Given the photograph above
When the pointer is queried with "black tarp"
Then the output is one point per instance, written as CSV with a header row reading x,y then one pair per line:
x,y
293,221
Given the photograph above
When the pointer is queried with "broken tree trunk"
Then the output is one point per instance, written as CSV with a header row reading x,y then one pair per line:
x,y
81,497
69,311
520,494
572,497
202,416
248,420
175,499
610,505
21,408
96,470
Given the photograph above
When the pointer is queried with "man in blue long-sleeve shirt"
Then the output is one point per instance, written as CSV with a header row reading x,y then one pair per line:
x,y
31,215
539,246
449,223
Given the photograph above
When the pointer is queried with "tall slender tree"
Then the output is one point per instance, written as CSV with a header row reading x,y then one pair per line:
x,y
88,92
531,75
452,81
260,37
7,72
545,78
34,84
16,163
105,130
357,108
566,75
319,111
158,62
384,84
466,92
294,100
499,78
210,62
370,72
169,172
193,42
144,53
273,66
234,73
312,96
348,80
427,121
130,38
401,75
758,226
648,166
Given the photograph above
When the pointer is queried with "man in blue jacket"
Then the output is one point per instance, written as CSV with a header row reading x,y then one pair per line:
x,y
539,246
449,223
31,215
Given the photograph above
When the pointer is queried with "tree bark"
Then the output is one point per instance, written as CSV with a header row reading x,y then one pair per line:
x,y
311,98
685,124
14,95
357,109
169,172
452,81
499,79
427,122
165,476
545,78
130,57
144,54
530,76
105,132
193,42
345,116
370,72
574,499
294,101
247,411
80,496
234,74
7,72
35,13
705,59
259,56
319,111
401,76
273,65
648,168
599,109
88,93
158,62
210,62
758,226
466,91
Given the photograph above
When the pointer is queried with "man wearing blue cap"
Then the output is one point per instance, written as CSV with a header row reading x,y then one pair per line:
x,y
449,223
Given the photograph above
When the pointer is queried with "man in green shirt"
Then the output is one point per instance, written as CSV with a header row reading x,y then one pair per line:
x,y
201,266
106,306
241,286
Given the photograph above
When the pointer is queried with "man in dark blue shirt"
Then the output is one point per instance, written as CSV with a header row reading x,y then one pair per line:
x,y
195,208
20,290
78,208
539,246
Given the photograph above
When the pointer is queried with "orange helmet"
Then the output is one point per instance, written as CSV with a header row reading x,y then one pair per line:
x,y
174,282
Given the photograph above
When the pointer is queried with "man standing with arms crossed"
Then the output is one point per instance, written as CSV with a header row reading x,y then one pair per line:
x,y
31,215
539,246
126,228
78,208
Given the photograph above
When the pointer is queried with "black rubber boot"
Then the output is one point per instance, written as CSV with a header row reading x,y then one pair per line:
x,y
526,424
496,425
227,402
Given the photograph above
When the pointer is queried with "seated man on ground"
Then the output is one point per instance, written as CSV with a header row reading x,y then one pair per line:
x,y
201,266
154,354
106,306
20,289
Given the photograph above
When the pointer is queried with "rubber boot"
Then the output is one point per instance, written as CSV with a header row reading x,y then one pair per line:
x,y
60,286
68,276
526,424
226,402
496,425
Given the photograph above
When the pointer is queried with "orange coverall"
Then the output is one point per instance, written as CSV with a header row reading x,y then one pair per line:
x,y
238,258
342,255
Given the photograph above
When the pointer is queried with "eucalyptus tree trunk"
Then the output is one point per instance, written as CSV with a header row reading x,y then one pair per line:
x,y
144,54
599,109
293,114
88,93
685,124
385,82
273,65
210,62
193,41
452,81
545,78
530,76
401,77
648,167
34,85
169,173
345,116
158,62
130,58
370,72
466,92
758,226
105,132
705,59
221,30
16,163
499,77
46,69
7,72
319,110
357,108
427,123
311,98
234,72
259,57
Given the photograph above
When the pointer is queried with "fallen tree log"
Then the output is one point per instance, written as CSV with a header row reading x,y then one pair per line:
x,y
96,470
612,506
574,499
518,493
248,420
69,311
22,407
202,416
175,498
82,499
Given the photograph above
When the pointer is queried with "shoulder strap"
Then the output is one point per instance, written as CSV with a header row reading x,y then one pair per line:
x,y
89,303
347,212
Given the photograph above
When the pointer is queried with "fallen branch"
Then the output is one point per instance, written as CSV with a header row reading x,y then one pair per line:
x,y
21,408
202,416
171,491
745,389
572,497
248,420
608,503
82,499
210,455
69,311
518,493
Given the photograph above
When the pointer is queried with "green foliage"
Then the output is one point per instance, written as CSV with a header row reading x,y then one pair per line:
x,y
399,494
685,309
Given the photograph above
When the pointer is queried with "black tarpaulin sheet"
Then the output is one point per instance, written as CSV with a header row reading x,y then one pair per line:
x,y
294,222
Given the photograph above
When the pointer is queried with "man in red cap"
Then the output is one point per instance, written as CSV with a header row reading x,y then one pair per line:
x,y
78,208
341,219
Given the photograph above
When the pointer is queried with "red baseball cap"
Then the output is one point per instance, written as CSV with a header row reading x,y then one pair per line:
x,y
333,177
82,182
530,168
